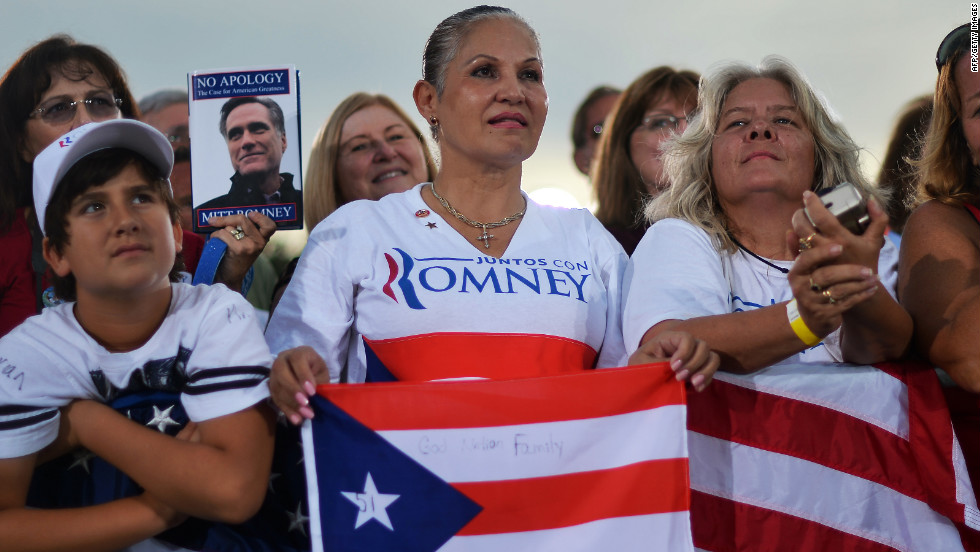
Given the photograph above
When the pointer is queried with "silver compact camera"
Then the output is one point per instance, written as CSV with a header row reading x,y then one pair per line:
x,y
845,202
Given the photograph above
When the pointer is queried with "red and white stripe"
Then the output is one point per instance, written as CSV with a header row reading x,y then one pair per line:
x,y
828,457
591,461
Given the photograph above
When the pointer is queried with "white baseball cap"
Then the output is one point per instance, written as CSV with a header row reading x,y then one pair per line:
x,y
51,165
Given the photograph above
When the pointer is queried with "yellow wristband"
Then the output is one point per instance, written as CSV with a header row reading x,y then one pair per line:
x,y
799,326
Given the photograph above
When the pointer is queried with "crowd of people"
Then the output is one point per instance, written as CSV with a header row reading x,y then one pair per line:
x,y
710,248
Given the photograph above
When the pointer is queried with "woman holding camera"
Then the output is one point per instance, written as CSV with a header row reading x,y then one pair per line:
x,y
744,254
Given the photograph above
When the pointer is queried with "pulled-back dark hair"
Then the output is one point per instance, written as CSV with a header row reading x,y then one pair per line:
x,y
95,170
21,90
445,40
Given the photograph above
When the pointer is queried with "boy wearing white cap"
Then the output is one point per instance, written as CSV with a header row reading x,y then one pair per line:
x,y
104,203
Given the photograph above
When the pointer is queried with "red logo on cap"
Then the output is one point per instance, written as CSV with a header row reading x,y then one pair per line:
x,y
66,142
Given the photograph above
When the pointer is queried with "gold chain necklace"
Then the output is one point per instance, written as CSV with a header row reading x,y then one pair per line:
x,y
485,237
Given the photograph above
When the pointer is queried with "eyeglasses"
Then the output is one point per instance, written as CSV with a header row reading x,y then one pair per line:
x,y
58,111
956,41
660,123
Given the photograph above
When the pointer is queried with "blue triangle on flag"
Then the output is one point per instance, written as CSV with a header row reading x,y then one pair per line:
x,y
426,513
376,370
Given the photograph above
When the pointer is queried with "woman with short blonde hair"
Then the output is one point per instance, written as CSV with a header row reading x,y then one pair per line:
x,y
322,192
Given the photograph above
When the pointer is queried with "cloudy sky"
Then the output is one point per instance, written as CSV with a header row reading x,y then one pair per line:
x,y
868,57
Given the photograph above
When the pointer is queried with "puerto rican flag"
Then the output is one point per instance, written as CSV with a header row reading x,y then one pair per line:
x,y
595,460
809,457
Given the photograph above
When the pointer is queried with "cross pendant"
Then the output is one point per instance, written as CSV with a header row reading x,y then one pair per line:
x,y
485,238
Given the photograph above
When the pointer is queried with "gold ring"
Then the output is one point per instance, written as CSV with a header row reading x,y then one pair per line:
x,y
238,233
814,287
830,298
807,242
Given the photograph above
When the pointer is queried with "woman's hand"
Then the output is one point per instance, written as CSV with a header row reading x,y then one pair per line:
x,y
825,229
836,269
295,374
256,229
690,358
824,291
835,283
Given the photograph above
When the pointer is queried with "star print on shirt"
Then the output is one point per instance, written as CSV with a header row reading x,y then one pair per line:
x,y
431,225
83,459
297,521
162,419
371,504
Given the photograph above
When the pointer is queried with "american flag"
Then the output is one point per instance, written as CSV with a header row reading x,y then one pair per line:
x,y
809,457
595,460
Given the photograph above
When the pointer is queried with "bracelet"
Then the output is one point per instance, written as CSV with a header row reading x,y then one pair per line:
x,y
799,326
207,266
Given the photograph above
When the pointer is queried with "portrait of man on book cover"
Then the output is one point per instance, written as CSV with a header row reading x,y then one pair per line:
x,y
254,131
245,144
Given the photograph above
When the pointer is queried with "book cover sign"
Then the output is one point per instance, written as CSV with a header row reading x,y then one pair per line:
x,y
245,147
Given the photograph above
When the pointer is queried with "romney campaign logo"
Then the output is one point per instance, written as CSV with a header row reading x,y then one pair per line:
x,y
415,277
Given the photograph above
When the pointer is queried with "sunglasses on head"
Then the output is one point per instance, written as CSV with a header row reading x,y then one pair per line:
x,y
956,41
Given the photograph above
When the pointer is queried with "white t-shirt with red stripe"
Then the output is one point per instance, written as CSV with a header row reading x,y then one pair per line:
x,y
677,272
429,304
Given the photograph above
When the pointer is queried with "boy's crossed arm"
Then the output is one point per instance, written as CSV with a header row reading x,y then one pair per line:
x,y
222,478
220,475
109,526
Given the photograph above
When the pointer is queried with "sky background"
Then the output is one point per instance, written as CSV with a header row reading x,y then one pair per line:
x,y
867,57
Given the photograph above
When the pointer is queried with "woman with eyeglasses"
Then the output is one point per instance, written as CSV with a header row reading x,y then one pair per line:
x,y
939,268
367,149
55,86
628,167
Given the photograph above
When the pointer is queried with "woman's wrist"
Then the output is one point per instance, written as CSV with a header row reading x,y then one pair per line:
x,y
799,327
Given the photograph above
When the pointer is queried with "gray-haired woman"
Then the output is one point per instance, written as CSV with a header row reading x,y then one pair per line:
x,y
733,260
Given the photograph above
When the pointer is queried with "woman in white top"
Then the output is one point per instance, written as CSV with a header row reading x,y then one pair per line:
x,y
464,276
734,259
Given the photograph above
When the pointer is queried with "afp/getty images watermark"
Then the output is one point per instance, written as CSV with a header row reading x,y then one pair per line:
x,y
974,46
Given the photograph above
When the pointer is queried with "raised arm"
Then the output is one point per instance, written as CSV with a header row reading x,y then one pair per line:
x,y
939,284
